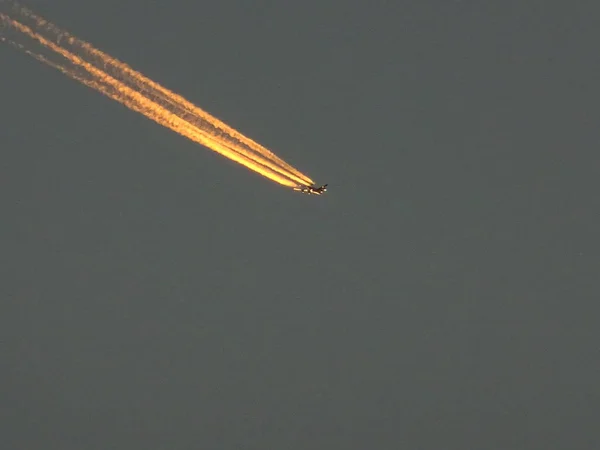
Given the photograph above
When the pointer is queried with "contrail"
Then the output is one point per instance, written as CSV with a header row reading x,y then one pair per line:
x,y
150,88
166,119
97,70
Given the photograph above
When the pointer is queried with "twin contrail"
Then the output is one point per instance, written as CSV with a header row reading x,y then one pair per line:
x,y
82,62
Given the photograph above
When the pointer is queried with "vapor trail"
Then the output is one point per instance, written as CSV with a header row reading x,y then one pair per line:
x,y
151,88
118,81
170,121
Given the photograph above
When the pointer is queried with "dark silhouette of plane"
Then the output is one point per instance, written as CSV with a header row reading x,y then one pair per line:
x,y
312,190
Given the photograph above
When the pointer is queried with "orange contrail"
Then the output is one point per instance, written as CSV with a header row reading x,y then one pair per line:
x,y
150,99
136,102
152,88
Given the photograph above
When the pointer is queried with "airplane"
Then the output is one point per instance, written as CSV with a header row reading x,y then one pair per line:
x,y
312,189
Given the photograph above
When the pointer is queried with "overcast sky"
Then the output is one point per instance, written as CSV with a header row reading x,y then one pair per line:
x,y
443,294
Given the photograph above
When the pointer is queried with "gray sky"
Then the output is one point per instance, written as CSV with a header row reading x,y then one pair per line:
x,y
442,295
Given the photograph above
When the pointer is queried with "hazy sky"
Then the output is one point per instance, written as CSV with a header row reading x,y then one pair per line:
x,y
442,295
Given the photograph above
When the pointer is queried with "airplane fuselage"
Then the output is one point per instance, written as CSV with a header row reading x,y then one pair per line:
x,y
312,190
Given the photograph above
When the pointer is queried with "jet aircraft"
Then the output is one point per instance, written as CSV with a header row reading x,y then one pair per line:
x,y
312,190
